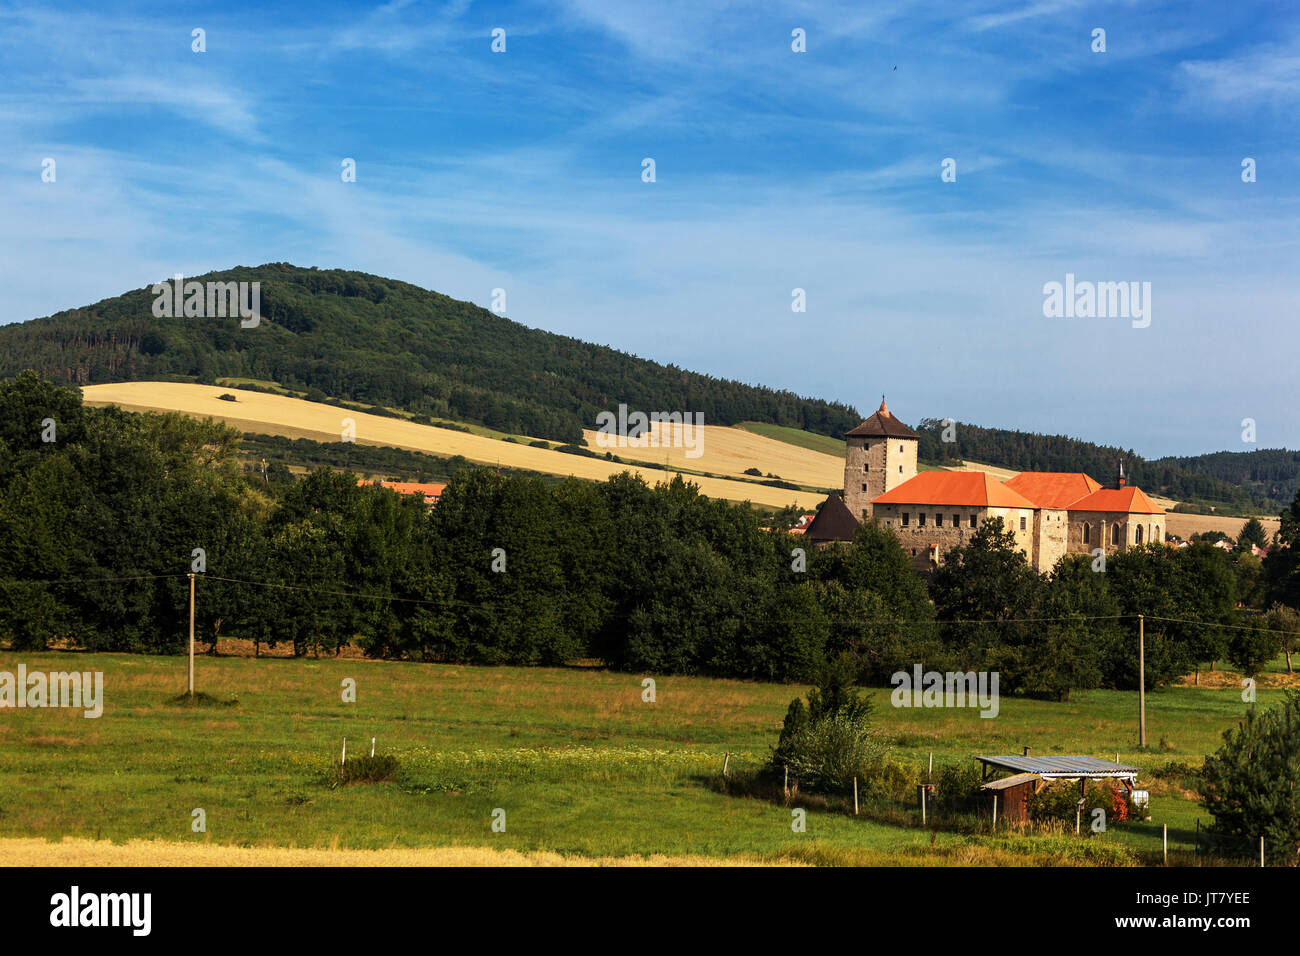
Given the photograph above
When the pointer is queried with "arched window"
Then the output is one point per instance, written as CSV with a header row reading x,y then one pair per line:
x,y
1155,535
1137,532
1087,533
1114,534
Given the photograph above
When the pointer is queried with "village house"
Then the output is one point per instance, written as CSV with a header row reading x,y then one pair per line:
x,y
431,492
1049,514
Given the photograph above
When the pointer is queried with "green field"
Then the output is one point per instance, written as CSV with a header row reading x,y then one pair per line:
x,y
578,762
797,436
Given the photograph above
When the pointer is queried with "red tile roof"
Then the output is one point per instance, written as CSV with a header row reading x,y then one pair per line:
x,y
1131,499
1053,489
431,492
883,423
975,489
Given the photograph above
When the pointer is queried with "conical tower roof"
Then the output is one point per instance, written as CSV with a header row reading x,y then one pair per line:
x,y
883,424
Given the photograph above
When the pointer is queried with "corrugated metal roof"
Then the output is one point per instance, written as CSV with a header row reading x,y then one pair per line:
x,y
1067,766
1007,782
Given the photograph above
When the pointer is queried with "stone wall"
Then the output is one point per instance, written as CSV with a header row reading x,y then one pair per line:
x,y
873,466
1051,532
1100,524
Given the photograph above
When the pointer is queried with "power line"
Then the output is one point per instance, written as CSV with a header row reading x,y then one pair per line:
x,y
872,622
136,577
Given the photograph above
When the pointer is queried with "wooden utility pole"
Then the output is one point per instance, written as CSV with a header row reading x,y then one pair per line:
x,y
191,577
1142,682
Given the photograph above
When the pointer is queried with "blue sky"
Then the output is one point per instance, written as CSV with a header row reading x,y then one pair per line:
x,y
775,170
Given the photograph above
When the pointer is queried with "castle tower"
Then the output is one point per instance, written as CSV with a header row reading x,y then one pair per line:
x,y
880,456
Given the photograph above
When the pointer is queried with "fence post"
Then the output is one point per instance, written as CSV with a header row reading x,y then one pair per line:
x,y
855,796
995,809
725,757
1165,841
1261,851
787,781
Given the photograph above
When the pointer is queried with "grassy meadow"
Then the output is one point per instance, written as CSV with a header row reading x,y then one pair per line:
x,y
580,764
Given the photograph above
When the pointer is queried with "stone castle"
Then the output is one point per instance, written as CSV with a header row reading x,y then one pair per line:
x,y
1050,514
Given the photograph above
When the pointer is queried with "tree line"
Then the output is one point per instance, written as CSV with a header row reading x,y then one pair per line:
x,y
101,518
1230,482
363,338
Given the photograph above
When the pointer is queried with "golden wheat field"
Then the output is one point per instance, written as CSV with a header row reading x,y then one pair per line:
x,y
1186,525
297,418
729,451
70,852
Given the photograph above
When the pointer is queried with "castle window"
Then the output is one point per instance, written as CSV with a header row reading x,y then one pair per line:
x,y
864,486
900,449
1138,534
938,519
1022,522
1156,535
900,469
866,466
973,519
905,519
920,518
1087,533
1114,534
956,521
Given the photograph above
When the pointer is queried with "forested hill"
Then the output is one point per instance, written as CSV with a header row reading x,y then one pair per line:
x,y
1262,481
360,337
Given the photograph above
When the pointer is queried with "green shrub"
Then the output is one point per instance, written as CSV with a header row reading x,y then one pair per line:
x,y
831,740
367,769
1058,800
888,779
956,787
825,755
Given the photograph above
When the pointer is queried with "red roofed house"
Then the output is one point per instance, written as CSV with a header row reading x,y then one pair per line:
x,y
431,492
1050,514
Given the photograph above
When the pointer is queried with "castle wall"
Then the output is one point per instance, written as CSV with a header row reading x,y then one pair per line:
x,y
927,543
1101,522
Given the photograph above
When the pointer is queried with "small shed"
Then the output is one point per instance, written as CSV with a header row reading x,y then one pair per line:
x,y
1013,795
1029,774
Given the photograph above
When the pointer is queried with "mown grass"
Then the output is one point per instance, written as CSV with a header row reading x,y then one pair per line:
x,y
797,436
575,758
